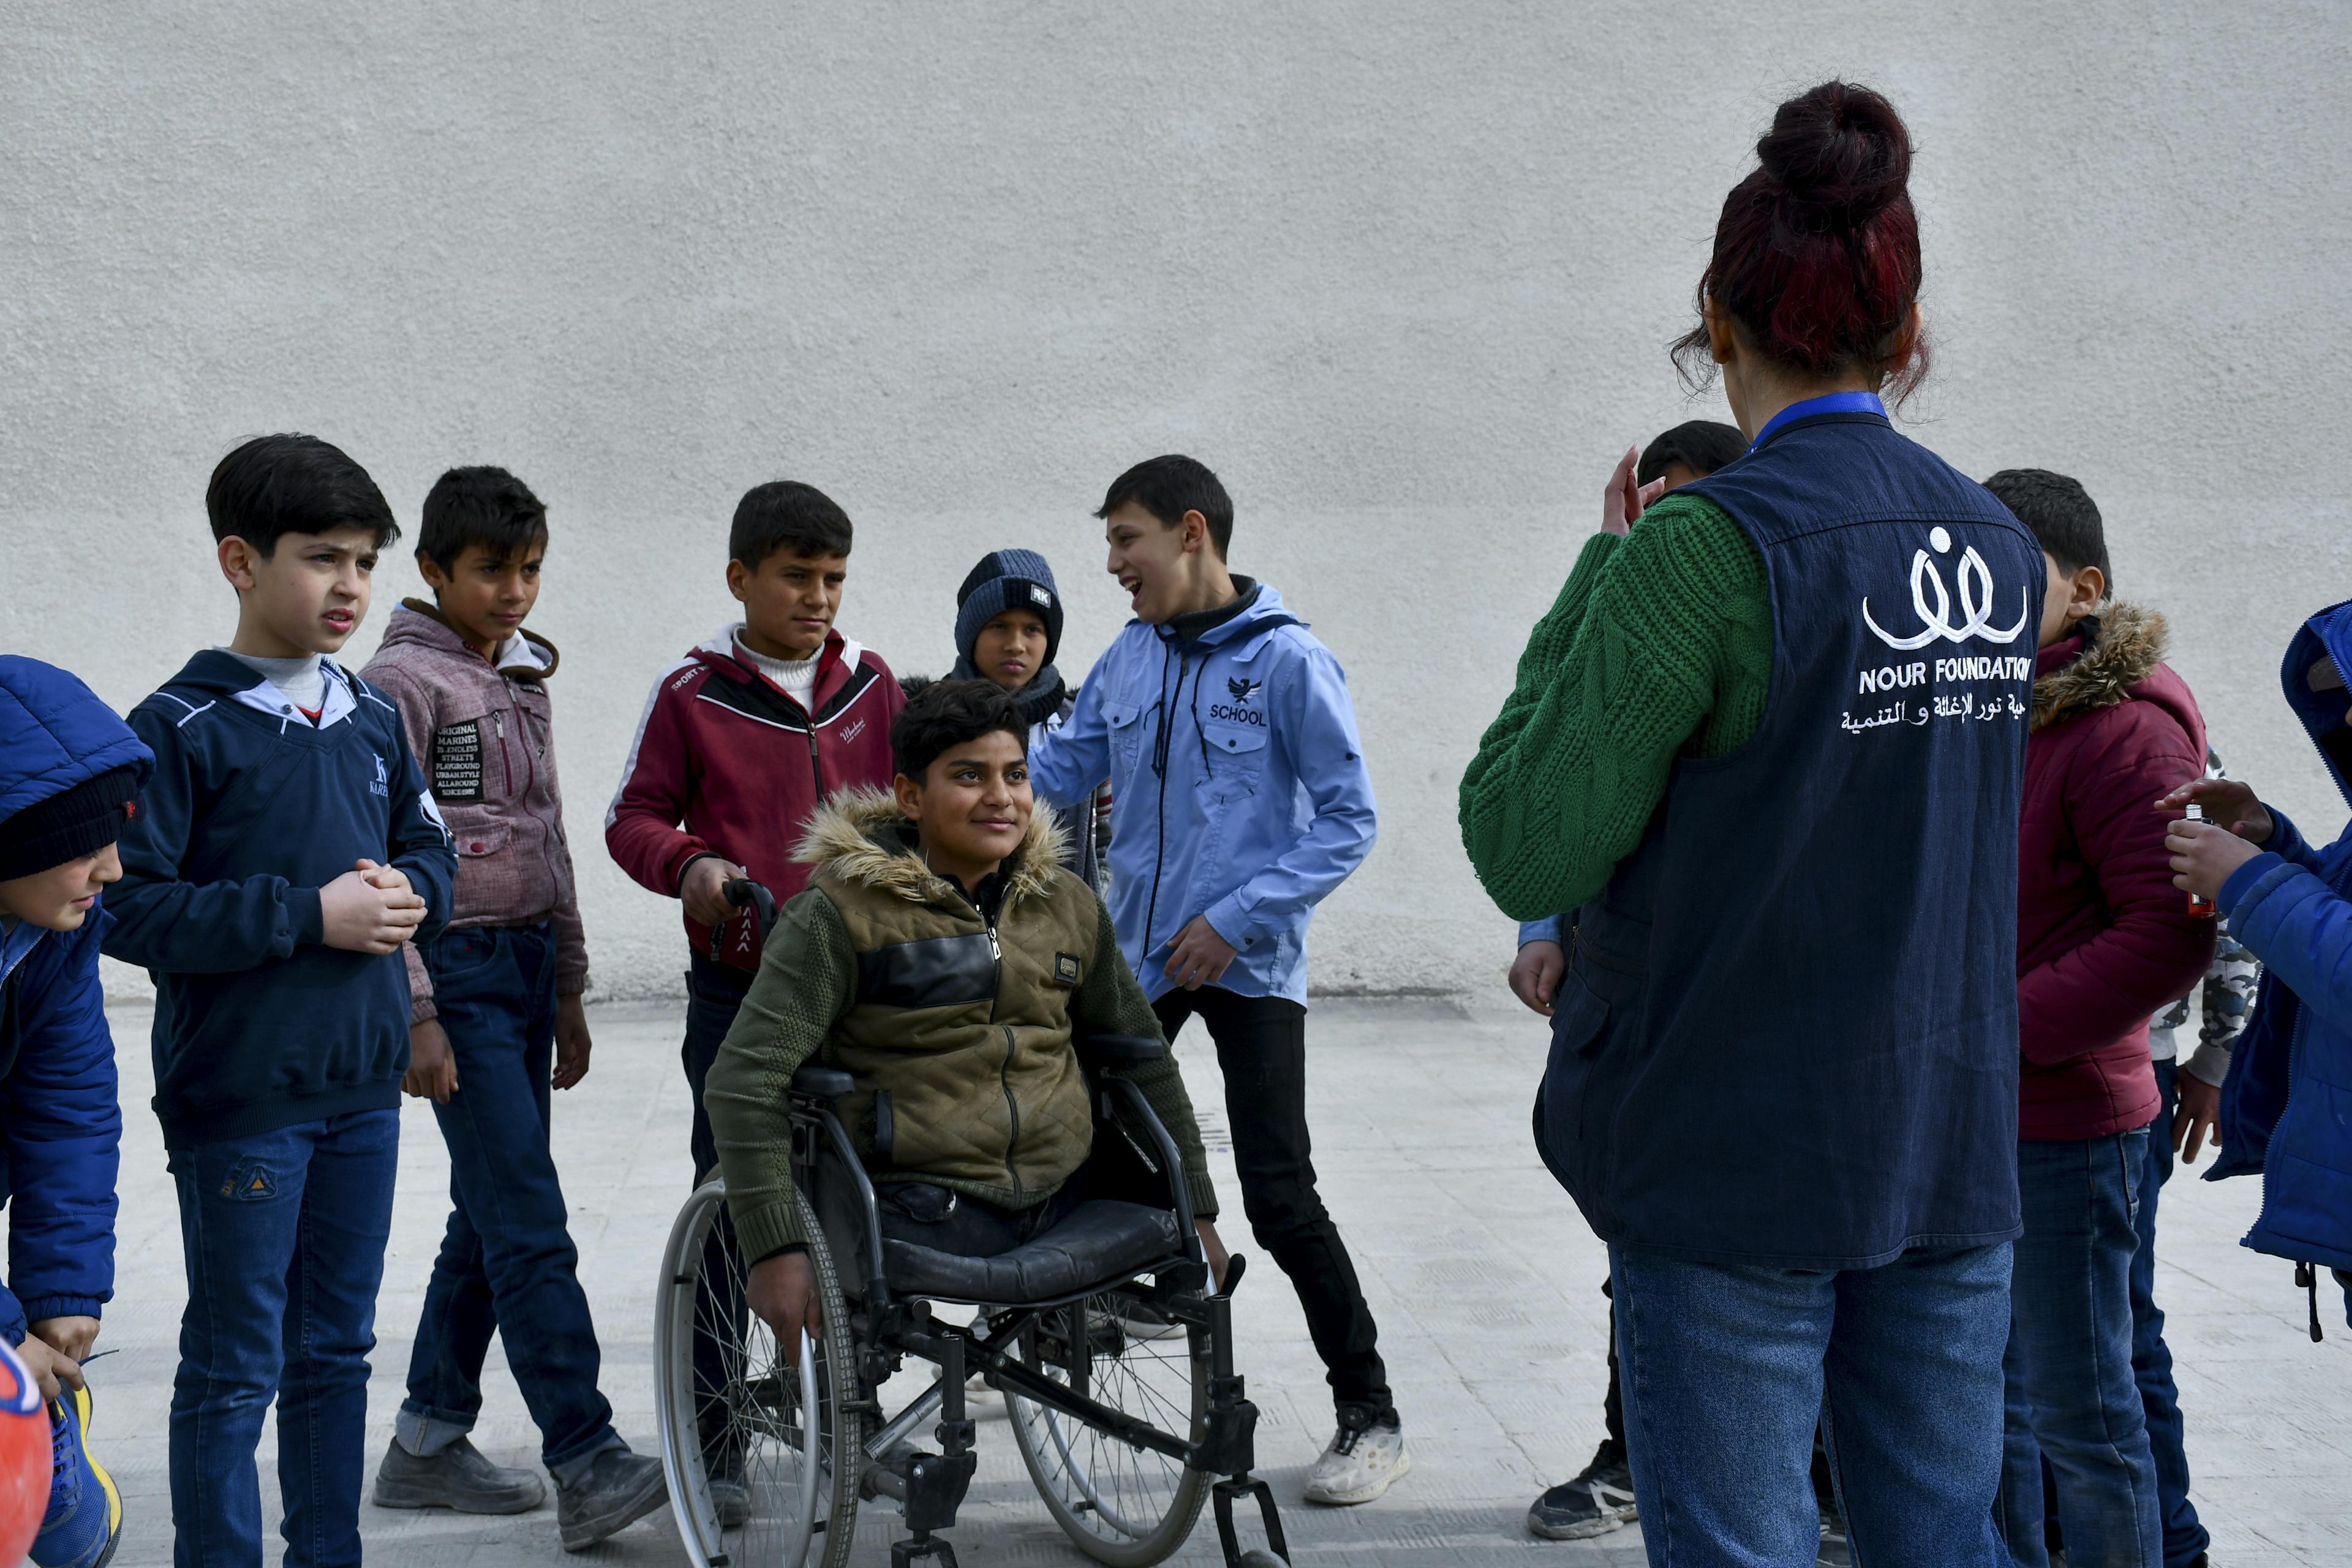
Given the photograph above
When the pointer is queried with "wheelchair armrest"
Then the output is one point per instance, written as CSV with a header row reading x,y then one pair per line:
x,y
1101,1051
812,1082
1171,1163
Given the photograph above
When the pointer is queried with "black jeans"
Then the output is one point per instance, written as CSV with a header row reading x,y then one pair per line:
x,y
714,994
1262,1050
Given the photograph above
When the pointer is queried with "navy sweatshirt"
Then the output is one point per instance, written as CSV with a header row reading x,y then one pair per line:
x,y
251,811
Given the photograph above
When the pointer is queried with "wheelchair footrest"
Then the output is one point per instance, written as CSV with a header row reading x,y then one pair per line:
x,y
1222,1497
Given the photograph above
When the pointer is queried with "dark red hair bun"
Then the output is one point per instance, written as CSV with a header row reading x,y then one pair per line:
x,y
1817,252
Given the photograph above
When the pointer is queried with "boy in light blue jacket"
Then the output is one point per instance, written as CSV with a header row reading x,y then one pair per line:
x,y
1243,801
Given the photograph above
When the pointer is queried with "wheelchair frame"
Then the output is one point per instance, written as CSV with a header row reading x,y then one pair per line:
x,y
887,1327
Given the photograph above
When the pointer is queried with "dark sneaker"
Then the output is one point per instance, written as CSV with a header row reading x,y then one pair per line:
x,y
733,1501
84,1522
1836,1551
619,1489
1599,1500
458,1478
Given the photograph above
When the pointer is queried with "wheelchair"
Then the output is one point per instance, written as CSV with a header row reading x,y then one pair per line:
x,y
1114,1353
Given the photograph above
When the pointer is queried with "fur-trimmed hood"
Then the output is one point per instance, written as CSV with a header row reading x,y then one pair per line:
x,y
859,837
2107,660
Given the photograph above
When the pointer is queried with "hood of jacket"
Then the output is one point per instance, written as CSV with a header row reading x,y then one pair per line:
x,y
859,837
55,734
1258,611
2314,675
2116,657
419,623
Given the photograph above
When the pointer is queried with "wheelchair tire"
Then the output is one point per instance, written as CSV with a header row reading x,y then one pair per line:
x,y
743,1420
1119,1505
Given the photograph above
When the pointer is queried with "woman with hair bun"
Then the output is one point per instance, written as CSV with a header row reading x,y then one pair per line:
x,y
1768,745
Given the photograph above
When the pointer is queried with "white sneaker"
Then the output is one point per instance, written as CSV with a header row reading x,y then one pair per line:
x,y
1361,1461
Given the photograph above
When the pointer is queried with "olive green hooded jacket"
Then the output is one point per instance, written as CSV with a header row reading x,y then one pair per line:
x,y
958,1034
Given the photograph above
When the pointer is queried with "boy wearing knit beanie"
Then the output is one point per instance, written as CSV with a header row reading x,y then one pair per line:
x,y
70,774
1008,631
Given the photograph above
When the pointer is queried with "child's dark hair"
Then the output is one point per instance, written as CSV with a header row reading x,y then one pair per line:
x,y
484,506
1817,252
785,514
947,714
1702,446
1170,487
2062,514
276,485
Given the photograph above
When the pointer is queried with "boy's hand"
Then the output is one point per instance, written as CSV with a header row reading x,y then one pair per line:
x,y
51,1368
358,916
1624,499
1198,956
2203,855
432,1067
702,893
2197,1118
1535,974
385,879
571,1042
2227,804
782,1291
71,1336
1213,1247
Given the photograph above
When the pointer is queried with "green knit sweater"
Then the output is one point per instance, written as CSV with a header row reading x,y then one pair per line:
x,y
1660,646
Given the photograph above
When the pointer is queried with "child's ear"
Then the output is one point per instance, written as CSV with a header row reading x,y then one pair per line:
x,y
910,796
737,576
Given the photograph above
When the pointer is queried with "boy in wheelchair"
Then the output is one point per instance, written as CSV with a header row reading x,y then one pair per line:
x,y
954,1006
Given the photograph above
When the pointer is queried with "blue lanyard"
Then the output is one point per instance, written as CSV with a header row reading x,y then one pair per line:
x,y
1829,403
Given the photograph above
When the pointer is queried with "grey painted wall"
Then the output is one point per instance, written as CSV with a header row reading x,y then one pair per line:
x,y
1403,274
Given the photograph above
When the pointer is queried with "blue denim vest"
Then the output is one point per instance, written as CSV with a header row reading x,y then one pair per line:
x,y
1789,1031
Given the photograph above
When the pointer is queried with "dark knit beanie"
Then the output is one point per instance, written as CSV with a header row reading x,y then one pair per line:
x,y
1007,579
69,824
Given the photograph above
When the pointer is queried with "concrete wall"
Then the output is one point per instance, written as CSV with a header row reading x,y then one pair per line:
x,y
1403,273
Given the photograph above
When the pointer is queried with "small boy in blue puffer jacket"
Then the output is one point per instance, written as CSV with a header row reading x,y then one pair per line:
x,y
2286,1105
70,778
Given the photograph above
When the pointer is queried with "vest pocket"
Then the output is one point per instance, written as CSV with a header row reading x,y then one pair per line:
x,y
1579,1018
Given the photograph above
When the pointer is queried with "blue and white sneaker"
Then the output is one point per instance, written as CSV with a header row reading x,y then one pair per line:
x,y
84,1523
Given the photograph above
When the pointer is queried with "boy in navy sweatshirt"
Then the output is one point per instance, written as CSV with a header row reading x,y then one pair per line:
x,y
285,849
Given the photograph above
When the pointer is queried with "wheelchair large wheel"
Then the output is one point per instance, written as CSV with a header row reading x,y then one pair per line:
x,y
762,1466
1120,1504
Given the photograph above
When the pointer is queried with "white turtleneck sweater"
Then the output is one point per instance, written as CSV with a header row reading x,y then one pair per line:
x,y
301,680
796,675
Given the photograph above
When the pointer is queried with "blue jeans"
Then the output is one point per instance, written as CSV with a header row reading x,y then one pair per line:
x,y
507,1266
284,1234
2184,1534
1728,1369
2068,1370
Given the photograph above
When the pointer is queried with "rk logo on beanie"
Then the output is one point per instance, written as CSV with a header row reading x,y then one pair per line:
x,y
1007,579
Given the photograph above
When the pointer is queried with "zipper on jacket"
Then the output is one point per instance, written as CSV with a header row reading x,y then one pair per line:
x,y
1005,1069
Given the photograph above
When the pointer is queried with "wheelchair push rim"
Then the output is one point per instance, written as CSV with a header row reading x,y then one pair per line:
x,y
767,1424
1120,1504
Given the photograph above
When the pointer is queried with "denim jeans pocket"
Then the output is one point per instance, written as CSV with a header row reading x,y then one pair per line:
x,y
459,953
918,1201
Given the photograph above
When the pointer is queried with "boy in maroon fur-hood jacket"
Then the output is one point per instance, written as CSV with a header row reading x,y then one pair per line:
x,y
2104,941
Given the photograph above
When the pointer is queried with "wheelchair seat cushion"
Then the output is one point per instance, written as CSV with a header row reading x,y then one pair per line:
x,y
1102,1242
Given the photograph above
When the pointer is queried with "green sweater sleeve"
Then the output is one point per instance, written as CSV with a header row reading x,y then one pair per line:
x,y
1109,1000
1660,644
807,982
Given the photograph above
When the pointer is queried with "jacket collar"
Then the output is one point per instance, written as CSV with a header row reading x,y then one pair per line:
x,y
1830,405
526,655
2099,665
230,679
861,839
833,661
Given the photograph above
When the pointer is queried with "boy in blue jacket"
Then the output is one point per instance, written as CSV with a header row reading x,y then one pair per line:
x,y
2290,904
1230,743
70,778
285,850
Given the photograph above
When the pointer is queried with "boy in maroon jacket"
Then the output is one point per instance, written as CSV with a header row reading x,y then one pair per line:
x,y
740,742
496,1022
2104,940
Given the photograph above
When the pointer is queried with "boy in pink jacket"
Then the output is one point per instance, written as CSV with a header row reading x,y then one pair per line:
x,y
496,1020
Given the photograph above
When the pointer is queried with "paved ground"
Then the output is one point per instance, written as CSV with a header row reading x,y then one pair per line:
x,y
1485,1283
